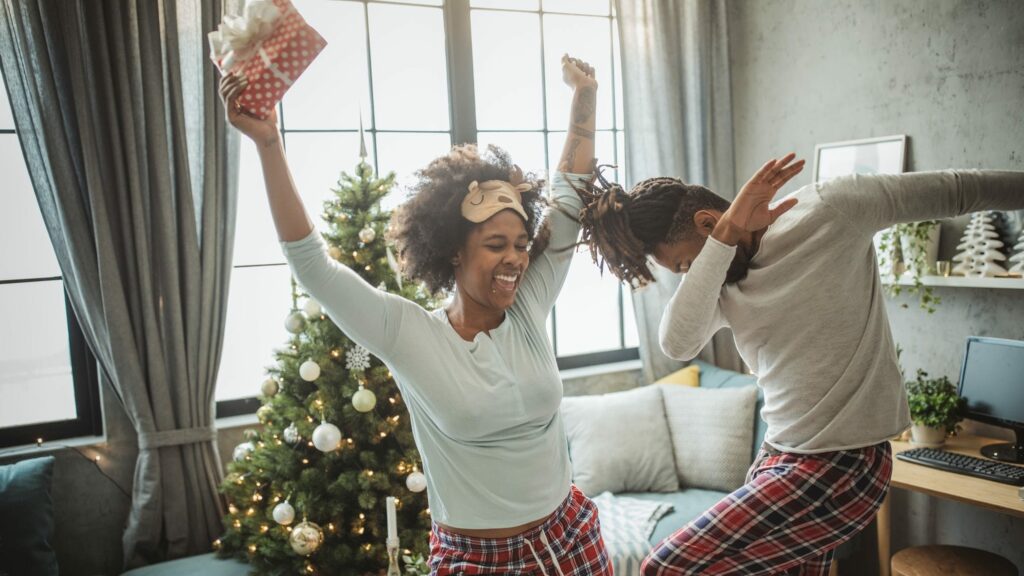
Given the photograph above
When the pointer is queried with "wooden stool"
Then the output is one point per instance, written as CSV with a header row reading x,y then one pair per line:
x,y
950,561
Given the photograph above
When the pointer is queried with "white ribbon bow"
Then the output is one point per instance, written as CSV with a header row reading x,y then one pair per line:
x,y
238,37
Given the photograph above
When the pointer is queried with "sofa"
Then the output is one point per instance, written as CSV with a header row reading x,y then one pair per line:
x,y
682,440
689,503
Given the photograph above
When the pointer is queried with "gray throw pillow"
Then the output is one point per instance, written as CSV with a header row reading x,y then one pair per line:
x,y
711,434
619,442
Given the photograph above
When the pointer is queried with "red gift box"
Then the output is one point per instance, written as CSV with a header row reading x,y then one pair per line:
x,y
271,51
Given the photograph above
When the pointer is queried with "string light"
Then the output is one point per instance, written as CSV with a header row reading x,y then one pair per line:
x,y
237,524
264,528
250,512
252,548
39,442
305,461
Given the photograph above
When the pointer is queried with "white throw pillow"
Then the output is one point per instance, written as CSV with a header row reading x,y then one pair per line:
x,y
712,430
619,442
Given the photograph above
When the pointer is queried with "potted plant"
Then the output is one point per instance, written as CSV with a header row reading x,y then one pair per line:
x,y
935,409
912,249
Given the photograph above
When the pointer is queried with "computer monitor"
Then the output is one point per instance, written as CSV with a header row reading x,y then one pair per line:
x,y
992,382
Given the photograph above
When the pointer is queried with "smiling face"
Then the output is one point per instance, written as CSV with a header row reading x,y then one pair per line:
x,y
492,261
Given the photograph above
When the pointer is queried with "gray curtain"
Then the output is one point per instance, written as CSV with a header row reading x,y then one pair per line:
x,y
127,148
678,116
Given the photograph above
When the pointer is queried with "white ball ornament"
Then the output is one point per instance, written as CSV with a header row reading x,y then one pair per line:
x,y
416,482
367,235
242,450
309,370
326,437
291,434
306,538
294,323
270,387
312,309
284,514
364,400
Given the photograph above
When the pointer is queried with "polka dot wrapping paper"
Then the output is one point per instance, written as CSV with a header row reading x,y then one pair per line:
x,y
278,61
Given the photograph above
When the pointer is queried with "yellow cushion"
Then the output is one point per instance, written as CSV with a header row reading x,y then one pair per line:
x,y
689,376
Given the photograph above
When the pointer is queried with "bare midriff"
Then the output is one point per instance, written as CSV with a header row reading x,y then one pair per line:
x,y
495,532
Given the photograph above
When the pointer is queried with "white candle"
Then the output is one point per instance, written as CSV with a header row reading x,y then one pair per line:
x,y
392,522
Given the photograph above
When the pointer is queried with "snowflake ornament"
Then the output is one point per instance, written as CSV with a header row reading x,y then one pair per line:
x,y
358,358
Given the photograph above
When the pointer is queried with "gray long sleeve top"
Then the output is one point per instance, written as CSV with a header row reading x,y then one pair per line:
x,y
809,319
485,414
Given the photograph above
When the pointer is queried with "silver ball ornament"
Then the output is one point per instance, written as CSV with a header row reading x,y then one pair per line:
x,y
291,434
367,235
295,323
242,451
364,400
416,482
284,513
326,437
309,370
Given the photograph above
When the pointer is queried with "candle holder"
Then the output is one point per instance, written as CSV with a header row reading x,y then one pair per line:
x,y
393,570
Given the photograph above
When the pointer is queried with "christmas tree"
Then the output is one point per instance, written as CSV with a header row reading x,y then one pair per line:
x,y
306,493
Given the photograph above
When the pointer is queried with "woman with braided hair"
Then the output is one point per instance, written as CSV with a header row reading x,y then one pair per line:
x,y
478,375
799,286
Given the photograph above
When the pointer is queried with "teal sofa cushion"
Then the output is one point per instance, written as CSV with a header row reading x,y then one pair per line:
x,y
686,505
712,376
205,564
26,518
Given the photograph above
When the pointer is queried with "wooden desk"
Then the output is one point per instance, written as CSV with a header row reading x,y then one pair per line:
x,y
967,489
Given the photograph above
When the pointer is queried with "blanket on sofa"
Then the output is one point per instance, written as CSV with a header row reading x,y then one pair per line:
x,y
626,527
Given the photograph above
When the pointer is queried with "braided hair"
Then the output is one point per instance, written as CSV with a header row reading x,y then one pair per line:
x,y
622,229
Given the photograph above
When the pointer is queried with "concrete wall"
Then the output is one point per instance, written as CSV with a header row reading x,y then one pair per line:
x,y
948,74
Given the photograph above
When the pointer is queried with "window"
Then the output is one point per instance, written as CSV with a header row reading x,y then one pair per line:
x,y
48,378
413,104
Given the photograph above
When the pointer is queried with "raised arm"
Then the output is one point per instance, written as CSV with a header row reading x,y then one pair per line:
x,y
370,317
546,274
878,201
693,316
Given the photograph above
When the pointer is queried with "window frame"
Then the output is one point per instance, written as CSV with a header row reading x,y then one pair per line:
x,y
85,383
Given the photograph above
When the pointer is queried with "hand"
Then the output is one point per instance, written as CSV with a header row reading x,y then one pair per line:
x,y
576,73
262,132
751,211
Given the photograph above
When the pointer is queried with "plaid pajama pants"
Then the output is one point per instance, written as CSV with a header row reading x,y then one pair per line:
x,y
567,544
789,518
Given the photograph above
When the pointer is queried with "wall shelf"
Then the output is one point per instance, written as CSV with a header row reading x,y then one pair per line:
x,y
1015,283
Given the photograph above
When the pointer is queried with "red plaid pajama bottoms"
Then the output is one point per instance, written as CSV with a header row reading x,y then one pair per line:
x,y
789,518
568,543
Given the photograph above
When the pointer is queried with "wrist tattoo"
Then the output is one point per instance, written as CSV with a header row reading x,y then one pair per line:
x,y
586,103
570,155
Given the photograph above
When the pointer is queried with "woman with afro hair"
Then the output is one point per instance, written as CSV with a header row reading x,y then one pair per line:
x,y
478,375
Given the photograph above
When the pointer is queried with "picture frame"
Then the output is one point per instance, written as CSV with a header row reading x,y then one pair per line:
x,y
882,155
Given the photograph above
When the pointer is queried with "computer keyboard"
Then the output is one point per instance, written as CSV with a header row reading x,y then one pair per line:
x,y
969,465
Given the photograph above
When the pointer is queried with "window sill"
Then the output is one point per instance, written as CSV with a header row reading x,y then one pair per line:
x,y
601,369
50,447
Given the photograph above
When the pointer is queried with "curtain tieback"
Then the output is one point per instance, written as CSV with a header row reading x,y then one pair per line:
x,y
153,440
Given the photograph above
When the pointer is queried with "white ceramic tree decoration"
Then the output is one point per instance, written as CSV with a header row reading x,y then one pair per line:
x,y
1018,257
979,249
